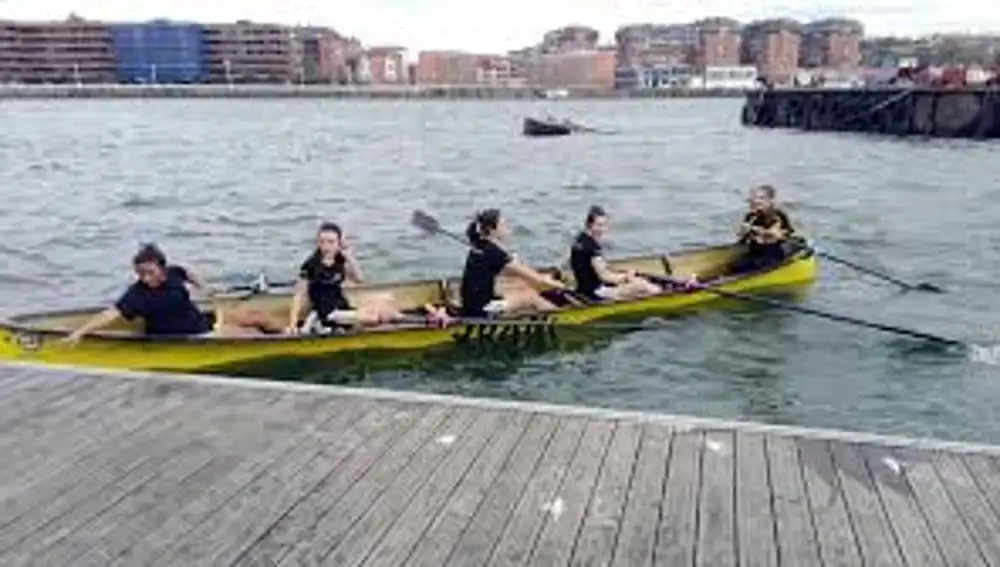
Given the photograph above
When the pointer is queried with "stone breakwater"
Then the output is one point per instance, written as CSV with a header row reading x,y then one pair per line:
x,y
938,113
341,92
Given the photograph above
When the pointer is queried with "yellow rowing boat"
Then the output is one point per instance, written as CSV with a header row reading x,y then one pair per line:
x,y
35,337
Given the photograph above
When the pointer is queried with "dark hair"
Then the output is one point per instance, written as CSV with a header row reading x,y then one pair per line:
x,y
485,222
330,227
767,190
593,213
149,253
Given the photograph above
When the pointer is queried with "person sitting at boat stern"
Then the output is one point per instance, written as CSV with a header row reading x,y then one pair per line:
x,y
486,260
322,277
160,297
595,280
765,230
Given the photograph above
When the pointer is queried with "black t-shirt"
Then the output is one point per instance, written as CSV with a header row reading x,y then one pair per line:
x,y
326,284
581,260
482,266
166,310
765,220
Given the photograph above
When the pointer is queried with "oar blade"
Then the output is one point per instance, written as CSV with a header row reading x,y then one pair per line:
x,y
425,222
924,286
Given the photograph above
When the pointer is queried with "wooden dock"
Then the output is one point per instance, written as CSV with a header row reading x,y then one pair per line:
x,y
144,470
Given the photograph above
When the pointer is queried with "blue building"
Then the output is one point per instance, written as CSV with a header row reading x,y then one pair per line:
x,y
159,52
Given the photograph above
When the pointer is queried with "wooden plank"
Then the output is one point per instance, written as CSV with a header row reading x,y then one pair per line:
x,y
518,539
484,530
120,522
286,428
34,397
301,522
876,537
331,528
566,514
755,522
838,544
408,507
915,539
111,481
598,537
43,546
795,531
442,535
676,532
223,535
55,434
945,523
979,518
985,471
117,426
637,538
50,495
716,512
155,508
357,537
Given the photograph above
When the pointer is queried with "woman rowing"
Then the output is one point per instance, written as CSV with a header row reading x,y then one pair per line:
x,y
765,230
595,280
486,260
161,298
321,282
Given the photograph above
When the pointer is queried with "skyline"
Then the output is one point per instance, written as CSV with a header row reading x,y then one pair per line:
x,y
512,24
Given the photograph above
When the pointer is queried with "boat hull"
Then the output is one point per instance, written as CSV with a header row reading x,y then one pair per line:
x,y
534,127
35,338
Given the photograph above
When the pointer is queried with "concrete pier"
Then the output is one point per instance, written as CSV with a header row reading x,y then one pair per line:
x,y
940,113
147,470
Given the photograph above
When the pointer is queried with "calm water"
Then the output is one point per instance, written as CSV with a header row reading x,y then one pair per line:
x,y
236,187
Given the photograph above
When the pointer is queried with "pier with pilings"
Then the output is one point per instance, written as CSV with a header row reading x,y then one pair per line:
x,y
902,111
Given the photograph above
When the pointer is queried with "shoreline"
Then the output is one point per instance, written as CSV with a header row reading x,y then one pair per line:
x,y
405,92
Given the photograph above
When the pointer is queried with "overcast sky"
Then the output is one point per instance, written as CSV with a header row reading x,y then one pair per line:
x,y
510,24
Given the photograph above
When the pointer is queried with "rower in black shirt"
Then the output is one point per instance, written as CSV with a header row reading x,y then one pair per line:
x,y
160,297
765,230
322,277
486,260
595,280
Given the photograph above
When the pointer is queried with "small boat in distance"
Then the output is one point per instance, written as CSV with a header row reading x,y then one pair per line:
x,y
550,127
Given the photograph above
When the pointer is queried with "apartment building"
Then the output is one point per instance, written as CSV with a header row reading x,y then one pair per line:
x,y
250,52
70,51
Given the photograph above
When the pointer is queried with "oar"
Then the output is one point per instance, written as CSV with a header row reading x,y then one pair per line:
x,y
809,311
429,224
921,286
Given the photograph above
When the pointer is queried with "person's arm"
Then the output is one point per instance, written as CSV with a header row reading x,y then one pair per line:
x,y
300,298
352,268
606,274
536,278
99,321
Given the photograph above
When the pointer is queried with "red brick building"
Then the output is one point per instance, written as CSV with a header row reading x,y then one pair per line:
x,y
249,52
584,69
832,43
70,51
773,47
325,55
718,43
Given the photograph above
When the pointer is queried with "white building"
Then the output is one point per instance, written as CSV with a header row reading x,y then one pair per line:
x,y
739,77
